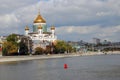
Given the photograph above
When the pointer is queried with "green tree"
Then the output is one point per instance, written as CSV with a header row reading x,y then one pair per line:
x,y
69,48
23,49
12,38
62,47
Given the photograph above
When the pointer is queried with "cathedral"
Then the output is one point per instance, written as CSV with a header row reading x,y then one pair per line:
x,y
40,36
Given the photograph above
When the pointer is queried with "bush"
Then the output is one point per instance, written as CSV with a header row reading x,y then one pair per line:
x,y
39,51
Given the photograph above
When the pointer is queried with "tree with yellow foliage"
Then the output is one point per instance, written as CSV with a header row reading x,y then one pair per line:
x,y
9,48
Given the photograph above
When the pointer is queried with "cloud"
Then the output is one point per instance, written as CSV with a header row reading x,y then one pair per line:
x,y
77,29
99,18
9,23
89,32
8,6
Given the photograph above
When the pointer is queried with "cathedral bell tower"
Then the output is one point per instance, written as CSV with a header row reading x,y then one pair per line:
x,y
26,30
53,31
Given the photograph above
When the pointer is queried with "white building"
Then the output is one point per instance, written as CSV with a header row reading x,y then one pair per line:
x,y
40,36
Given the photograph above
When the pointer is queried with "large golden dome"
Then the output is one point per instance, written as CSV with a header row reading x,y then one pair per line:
x,y
39,19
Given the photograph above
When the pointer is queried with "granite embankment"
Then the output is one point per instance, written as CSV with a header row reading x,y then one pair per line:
x,y
24,58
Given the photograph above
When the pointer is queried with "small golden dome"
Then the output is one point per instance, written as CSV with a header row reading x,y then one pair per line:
x,y
26,28
52,28
39,19
39,27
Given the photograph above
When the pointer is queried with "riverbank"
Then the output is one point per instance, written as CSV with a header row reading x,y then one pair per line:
x,y
34,57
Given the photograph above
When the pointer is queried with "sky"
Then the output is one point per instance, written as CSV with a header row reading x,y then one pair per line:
x,y
74,20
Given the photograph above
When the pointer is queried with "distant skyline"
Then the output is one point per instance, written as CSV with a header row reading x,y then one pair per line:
x,y
75,20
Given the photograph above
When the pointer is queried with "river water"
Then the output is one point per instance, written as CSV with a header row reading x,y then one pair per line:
x,y
102,67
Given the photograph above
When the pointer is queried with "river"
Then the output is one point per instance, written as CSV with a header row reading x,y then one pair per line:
x,y
102,67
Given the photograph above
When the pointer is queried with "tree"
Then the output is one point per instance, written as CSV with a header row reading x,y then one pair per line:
x,y
69,48
12,38
48,50
62,47
39,51
23,49
9,49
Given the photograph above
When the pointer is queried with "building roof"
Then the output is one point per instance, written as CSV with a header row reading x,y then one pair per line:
x,y
39,19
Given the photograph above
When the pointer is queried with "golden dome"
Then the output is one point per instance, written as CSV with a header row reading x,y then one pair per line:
x,y
39,27
26,28
52,28
39,19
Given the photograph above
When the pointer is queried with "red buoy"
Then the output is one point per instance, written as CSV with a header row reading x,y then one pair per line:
x,y
65,66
